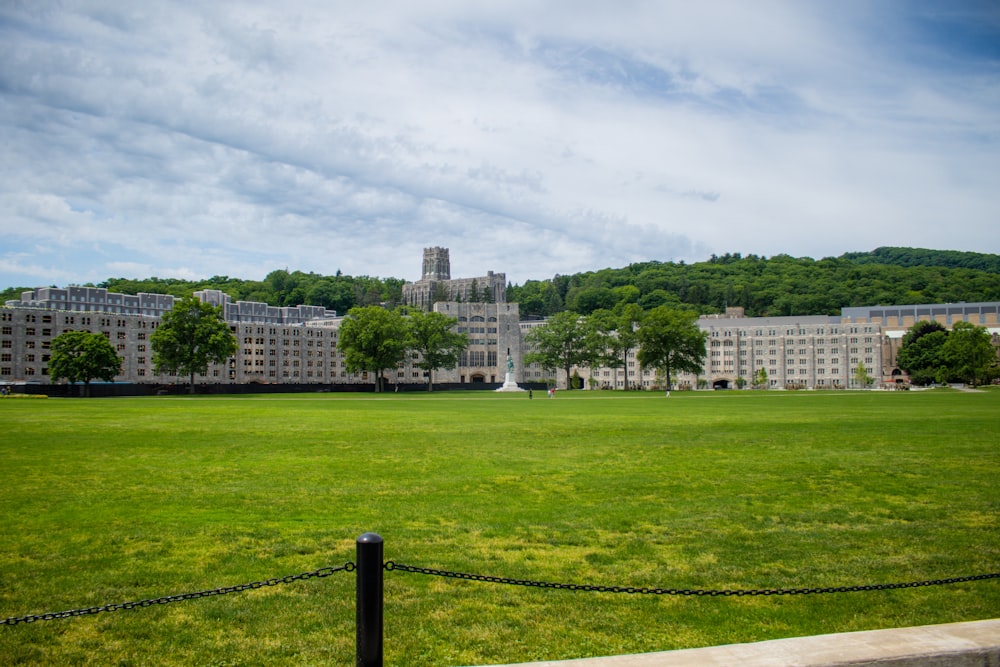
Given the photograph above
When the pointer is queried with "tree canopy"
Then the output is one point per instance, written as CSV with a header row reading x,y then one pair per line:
x,y
775,286
190,337
562,342
432,338
969,355
81,356
373,339
670,341
920,354
618,331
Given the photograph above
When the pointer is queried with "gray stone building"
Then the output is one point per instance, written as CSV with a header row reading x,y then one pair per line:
x,y
298,345
436,284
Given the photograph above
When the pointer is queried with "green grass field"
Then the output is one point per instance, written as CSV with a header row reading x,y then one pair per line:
x,y
112,500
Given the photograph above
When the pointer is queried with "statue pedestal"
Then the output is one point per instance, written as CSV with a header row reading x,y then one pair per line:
x,y
509,384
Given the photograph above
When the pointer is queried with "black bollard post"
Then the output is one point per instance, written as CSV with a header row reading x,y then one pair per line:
x,y
369,601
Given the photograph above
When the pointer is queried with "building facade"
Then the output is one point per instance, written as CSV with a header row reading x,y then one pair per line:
x,y
298,345
437,285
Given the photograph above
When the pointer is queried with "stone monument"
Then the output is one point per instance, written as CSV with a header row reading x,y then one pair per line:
x,y
508,383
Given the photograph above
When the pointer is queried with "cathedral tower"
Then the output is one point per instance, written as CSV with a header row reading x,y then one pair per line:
x,y
437,265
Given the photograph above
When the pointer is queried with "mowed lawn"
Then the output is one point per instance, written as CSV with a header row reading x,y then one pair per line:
x,y
114,500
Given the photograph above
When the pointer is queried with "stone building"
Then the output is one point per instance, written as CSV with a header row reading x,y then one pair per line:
x,y
436,284
298,345
805,352
895,320
494,332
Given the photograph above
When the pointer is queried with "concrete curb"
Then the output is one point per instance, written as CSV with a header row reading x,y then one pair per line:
x,y
973,644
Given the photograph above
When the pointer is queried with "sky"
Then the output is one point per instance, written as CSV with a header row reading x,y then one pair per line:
x,y
185,139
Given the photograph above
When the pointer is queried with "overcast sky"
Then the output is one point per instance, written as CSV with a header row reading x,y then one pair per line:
x,y
189,139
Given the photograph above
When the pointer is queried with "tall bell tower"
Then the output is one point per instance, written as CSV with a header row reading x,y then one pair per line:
x,y
437,265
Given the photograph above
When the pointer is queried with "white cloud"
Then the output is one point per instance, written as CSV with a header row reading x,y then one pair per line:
x,y
531,138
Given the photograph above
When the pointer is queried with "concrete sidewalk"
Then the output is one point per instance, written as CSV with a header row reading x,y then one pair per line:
x,y
973,644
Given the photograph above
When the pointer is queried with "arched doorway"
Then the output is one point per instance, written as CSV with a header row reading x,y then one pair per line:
x,y
720,384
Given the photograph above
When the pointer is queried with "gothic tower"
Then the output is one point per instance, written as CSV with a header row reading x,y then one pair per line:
x,y
437,265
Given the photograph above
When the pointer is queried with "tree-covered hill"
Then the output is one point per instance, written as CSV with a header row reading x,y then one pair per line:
x,y
952,259
780,285
279,288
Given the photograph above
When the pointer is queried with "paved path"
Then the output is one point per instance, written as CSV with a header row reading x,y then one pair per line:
x,y
974,644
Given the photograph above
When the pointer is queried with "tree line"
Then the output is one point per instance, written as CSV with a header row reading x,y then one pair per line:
x,y
775,286
374,339
932,353
779,286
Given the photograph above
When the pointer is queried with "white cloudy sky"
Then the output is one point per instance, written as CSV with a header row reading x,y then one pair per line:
x,y
189,139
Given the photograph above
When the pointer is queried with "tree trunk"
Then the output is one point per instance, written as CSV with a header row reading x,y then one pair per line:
x,y
191,385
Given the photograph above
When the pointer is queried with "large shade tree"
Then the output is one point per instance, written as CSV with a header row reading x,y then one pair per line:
x,y
670,341
81,356
190,337
372,339
619,329
920,353
432,337
564,341
969,355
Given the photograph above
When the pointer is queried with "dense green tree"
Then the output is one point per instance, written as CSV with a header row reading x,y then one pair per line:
x,y
585,300
780,285
659,297
920,352
333,293
670,341
969,355
562,342
392,291
190,337
432,336
618,329
372,339
81,356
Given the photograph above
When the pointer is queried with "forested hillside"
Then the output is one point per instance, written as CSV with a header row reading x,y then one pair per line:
x,y
952,259
780,285
279,288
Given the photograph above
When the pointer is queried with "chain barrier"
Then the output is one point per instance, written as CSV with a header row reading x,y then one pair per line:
x,y
398,567
51,616
392,566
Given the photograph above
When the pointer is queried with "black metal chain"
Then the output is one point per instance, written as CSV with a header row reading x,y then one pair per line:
x,y
51,616
399,567
391,566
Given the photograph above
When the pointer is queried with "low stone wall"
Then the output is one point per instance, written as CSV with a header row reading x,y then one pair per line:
x,y
974,644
